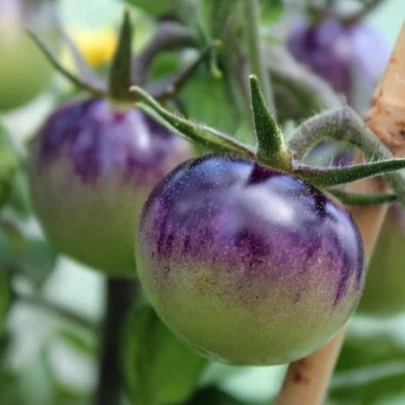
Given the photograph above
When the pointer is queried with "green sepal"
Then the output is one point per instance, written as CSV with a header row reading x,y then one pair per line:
x,y
359,199
327,177
53,60
190,130
119,79
271,148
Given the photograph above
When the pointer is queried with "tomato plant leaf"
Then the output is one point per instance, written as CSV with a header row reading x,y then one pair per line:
x,y
159,369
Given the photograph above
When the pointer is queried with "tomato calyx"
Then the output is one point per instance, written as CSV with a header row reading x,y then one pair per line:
x,y
342,124
127,69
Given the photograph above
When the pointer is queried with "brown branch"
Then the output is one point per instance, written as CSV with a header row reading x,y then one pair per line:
x,y
307,380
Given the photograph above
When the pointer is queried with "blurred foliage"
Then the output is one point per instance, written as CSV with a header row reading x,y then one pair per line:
x,y
159,369
8,164
24,254
213,396
371,367
176,9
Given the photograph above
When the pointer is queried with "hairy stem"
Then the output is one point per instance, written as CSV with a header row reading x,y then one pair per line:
x,y
168,36
119,297
344,124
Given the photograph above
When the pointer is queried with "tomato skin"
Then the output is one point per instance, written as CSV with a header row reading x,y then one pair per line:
x,y
92,165
246,264
24,70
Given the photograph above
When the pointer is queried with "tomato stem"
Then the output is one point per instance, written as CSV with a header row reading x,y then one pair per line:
x,y
344,124
360,199
168,36
119,296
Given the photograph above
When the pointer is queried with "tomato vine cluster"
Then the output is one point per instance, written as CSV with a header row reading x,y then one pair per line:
x,y
246,254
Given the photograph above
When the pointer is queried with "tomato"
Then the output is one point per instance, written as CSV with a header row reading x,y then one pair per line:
x,y
24,70
247,264
92,166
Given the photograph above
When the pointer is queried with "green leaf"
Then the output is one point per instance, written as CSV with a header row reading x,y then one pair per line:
x,y
159,369
19,199
327,177
371,367
369,349
120,71
30,255
39,259
271,10
224,20
80,340
221,114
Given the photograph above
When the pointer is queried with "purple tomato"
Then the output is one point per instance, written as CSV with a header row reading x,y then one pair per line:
x,y
92,166
351,57
248,264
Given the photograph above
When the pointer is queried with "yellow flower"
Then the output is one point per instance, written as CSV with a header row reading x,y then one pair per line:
x,y
96,45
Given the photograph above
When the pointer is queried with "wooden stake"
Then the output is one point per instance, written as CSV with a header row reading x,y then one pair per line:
x,y
307,380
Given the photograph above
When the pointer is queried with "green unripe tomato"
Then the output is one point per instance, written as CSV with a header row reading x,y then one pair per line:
x,y
24,70
384,292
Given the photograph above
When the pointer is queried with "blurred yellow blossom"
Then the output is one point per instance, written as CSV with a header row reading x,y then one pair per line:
x,y
96,45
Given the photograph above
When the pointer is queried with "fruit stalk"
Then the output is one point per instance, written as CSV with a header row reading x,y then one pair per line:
x,y
307,380
120,294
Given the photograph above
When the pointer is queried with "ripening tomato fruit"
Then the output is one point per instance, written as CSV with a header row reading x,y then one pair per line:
x,y
247,264
92,165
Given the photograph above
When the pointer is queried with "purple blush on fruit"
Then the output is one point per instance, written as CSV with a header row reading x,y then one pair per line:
x,y
92,166
351,57
248,264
